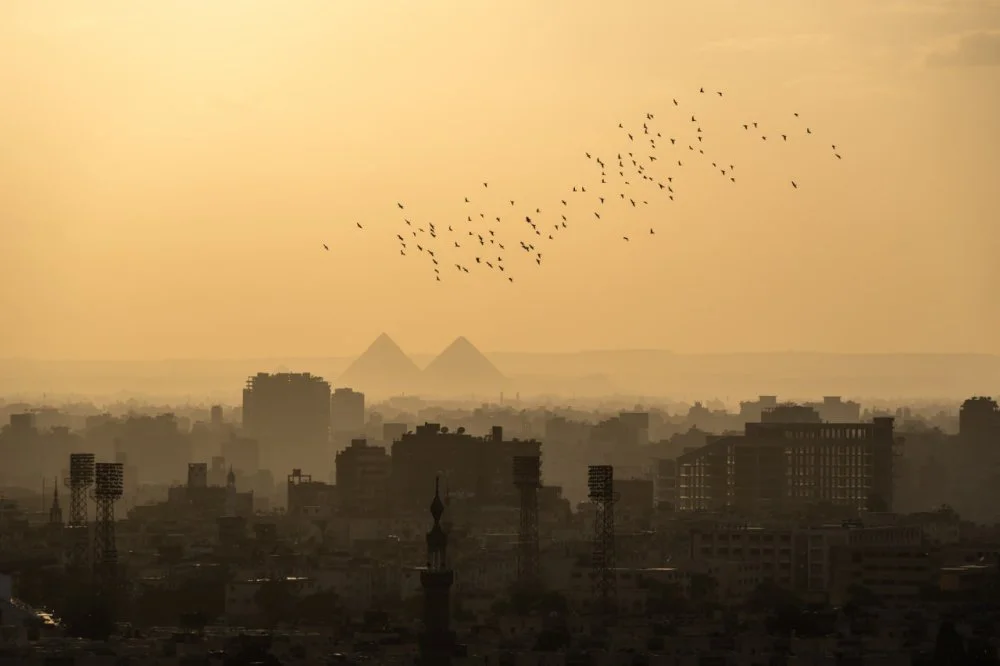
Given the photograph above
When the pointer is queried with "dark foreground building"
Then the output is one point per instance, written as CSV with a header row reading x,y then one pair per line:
x,y
473,468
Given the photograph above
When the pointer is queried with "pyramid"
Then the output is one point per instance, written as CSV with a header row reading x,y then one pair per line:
x,y
382,368
462,368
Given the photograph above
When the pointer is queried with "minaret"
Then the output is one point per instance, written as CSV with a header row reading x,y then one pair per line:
x,y
55,511
437,644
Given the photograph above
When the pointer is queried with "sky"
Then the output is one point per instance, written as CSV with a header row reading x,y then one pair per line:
x,y
170,172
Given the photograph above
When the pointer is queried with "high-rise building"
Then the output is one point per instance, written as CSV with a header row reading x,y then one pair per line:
x,y
363,474
289,416
347,415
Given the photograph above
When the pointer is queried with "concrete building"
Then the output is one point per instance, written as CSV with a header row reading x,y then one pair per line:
x,y
363,477
785,467
634,506
813,562
473,468
309,498
242,454
347,416
289,415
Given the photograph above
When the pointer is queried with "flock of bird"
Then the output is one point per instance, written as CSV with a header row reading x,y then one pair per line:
x,y
648,164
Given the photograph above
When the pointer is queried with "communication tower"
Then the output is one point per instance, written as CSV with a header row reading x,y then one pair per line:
x,y
600,482
81,478
528,479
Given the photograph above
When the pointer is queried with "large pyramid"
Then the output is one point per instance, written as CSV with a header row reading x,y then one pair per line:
x,y
382,368
461,368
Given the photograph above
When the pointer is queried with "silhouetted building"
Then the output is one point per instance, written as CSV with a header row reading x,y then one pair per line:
x,y
751,410
634,504
474,468
637,422
241,453
197,475
156,447
788,466
392,432
20,423
201,500
363,474
347,416
790,413
979,421
835,409
307,497
289,415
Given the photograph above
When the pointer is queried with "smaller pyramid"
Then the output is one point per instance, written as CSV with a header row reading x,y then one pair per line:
x,y
462,368
383,367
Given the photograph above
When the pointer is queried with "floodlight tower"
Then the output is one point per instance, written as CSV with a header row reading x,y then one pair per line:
x,y
81,478
108,489
600,481
528,478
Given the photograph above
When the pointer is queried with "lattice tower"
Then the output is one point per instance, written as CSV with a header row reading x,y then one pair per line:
x,y
81,478
600,482
528,479
108,489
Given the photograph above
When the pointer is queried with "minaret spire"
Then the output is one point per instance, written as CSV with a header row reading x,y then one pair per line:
x,y
55,511
437,540
437,645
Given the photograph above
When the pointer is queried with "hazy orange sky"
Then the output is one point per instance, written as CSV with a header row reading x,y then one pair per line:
x,y
170,170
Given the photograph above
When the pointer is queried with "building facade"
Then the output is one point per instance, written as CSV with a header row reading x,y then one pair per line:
x,y
786,467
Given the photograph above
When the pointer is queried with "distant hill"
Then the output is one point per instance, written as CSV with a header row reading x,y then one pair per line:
x,y
383,367
461,368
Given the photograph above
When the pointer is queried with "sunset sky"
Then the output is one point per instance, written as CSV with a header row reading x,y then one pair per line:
x,y
169,171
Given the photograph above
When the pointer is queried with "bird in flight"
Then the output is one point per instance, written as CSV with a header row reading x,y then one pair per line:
x,y
326,247
636,169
